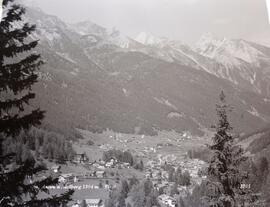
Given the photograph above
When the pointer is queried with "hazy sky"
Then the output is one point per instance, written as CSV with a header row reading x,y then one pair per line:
x,y
185,20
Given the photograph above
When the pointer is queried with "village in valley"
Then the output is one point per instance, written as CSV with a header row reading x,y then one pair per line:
x,y
93,116
96,170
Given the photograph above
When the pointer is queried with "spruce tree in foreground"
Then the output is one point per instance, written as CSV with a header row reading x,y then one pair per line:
x,y
225,178
18,72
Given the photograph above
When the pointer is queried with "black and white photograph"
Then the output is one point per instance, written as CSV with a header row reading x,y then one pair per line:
x,y
134,103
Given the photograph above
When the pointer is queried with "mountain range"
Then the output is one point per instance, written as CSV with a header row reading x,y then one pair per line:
x,y
97,78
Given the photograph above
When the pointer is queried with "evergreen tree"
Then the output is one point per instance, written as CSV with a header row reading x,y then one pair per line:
x,y
84,204
266,192
180,202
121,201
184,179
174,190
224,175
264,169
133,181
112,200
124,188
18,72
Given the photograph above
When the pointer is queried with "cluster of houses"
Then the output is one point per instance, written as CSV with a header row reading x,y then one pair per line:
x,y
156,174
193,166
166,200
88,203
102,165
81,158
160,177
153,170
69,178
72,178
96,170
112,163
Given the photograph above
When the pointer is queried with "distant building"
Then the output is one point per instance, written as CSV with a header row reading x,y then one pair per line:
x,y
126,165
56,168
107,187
100,174
101,167
77,203
95,165
64,178
75,179
167,200
81,158
111,163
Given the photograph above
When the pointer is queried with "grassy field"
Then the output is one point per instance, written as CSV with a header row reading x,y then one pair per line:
x,y
173,143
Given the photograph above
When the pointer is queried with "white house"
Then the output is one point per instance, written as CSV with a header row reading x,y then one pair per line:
x,y
167,200
100,174
55,168
65,178
75,179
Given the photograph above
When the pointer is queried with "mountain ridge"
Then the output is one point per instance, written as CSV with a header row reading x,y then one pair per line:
x,y
97,80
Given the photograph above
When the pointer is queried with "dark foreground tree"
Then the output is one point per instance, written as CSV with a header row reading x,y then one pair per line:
x,y
18,72
226,181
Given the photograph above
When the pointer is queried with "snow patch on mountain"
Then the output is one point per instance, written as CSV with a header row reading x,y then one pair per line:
x,y
148,39
114,36
66,56
126,92
75,71
102,36
172,115
88,27
228,52
193,59
254,112
165,102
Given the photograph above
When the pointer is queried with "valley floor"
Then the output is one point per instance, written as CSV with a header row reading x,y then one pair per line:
x,y
95,179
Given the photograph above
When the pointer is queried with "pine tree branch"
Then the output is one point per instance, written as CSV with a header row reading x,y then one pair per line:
x,y
20,34
6,2
12,50
18,103
18,85
51,201
14,14
12,73
24,67
13,125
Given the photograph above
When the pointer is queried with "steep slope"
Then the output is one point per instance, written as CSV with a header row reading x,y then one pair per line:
x,y
244,63
98,36
257,144
168,50
92,80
